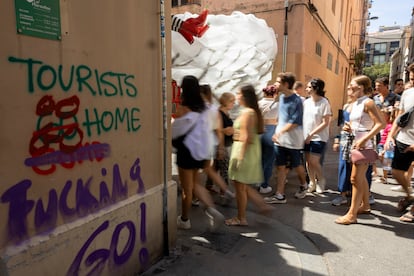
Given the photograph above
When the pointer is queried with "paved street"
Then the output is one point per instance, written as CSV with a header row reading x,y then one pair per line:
x,y
300,238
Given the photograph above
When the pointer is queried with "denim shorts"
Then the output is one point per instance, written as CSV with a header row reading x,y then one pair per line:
x,y
285,156
315,147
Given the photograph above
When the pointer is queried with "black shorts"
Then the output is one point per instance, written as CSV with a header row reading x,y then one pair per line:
x,y
402,160
186,161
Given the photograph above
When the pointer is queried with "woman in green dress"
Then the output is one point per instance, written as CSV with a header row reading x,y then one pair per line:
x,y
245,167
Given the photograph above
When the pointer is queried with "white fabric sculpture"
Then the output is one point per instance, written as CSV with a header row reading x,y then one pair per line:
x,y
236,49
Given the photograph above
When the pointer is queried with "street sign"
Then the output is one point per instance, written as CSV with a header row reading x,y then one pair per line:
x,y
39,18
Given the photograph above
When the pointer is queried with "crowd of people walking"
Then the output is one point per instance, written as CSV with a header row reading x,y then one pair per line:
x,y
287,127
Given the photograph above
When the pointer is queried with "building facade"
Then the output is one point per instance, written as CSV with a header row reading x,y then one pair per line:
x,y
389,45
381,45
83,186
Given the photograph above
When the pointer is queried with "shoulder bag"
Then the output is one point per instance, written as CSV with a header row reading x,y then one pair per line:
x,y
402,120
358,156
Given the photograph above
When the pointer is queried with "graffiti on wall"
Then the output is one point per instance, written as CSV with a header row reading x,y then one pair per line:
x,y
85,202
65,134
44,77
114,255
58,135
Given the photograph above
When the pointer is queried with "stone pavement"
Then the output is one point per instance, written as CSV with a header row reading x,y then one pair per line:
x,y
300,238
265,247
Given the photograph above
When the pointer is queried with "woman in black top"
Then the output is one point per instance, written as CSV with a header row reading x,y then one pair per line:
x,y
227,101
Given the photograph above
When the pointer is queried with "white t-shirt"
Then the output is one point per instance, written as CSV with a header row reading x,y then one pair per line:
x,y
269,108
406,134
313,113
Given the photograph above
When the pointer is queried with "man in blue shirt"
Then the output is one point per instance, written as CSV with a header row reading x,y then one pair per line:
x,y
288,138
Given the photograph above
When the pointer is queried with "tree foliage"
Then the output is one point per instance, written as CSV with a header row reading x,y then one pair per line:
x,y
359,61
377,71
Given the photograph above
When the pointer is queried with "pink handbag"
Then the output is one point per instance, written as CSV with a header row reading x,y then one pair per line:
x,y
363,156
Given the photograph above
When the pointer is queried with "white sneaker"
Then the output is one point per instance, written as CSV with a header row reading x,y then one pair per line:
x,y
216,219
371,200
195,202
320,186
229,194
301,193
311,187
183,224
398,188
266,190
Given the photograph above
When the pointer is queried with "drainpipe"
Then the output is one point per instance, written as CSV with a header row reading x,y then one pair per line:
x,y
164,130
285,37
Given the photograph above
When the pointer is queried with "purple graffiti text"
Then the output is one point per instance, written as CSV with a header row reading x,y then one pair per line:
x,y
97,259
45,219
87,152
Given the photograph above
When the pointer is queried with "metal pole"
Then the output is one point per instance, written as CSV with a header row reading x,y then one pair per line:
x,y
285,37
164,130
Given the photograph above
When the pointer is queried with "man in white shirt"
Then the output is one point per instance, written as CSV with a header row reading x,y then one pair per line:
x,y
404,149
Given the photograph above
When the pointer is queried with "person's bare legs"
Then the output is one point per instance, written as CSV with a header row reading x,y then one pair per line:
x,y
258,200
300,170
311,160
315,172
410,173
243,193
201,192
187,185
316,166
241,196
281,179
361,204
402,178
216,178
360,194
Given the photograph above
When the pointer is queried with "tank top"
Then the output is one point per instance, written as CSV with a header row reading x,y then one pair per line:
x,y
361,122
227,122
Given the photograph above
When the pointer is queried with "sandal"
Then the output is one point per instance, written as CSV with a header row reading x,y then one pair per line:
x,y
236,222
407,217
403,203
345,221
364,212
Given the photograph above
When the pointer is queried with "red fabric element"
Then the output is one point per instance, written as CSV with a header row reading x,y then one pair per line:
x,y
194,27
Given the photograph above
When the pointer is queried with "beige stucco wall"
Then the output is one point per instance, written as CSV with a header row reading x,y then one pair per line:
x,y
81,163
